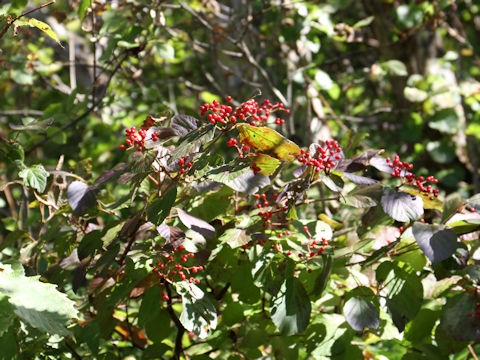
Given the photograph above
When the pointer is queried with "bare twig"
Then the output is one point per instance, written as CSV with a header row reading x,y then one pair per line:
x,y
11,22
85,113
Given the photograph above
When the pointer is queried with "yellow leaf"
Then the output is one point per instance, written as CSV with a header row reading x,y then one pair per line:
x,y
268,141
427,203
45,28
265,163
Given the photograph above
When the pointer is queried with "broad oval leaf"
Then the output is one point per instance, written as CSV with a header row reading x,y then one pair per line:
x,y
239,178
196,224
183,124
402,206
290,308
361,313
198,314
35,177
436,242
40,304
81,197
160,208
268,141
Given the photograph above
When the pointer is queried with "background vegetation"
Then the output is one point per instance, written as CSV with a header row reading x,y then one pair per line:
x,y
81,221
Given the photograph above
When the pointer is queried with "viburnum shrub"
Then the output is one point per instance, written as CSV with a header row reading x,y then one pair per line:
x,y
236,213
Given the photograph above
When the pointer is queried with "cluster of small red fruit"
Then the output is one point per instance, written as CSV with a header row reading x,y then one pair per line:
x,y
241,149
137,138
401,170
314,247
475,314
325,157
184,166
174,268
250,111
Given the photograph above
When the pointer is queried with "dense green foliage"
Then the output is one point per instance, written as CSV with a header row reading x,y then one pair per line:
x,y
144,216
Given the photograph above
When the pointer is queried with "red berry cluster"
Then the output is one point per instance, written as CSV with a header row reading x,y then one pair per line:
x,y
268,214
324,158
183,165
174,268
249,111
137,139
475,314
274,216
241,149
400,170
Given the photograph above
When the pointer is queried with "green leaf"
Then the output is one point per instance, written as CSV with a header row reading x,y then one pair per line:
x,y
232,314
192,142
455,320
420,328
361,313
45,28
14,152
198,314
451,205
445,121
6,314
159,209
82,8
35,177
158,326
290,308
235,237
394,67
240,178
405,295
364,22
402,206
36,303
34,125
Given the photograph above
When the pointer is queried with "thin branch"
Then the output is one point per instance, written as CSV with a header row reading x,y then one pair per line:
x,y
86,113
11,22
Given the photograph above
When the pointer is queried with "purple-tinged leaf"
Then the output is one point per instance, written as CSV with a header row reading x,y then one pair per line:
x,y
131,226
163,134
183,124
361,313
297,172
196,224
110,174
174,236
380,163
358,162
360,180
402,206
436,242
81,197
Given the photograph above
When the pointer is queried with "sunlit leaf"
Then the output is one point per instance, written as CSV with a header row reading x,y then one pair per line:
x,y
361,313
436,242
45,28
266,163
402,206
269,141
